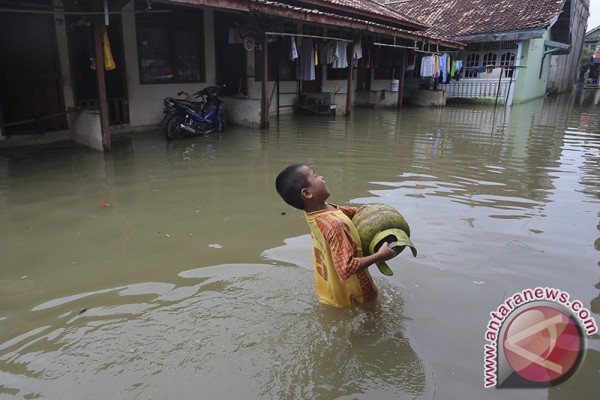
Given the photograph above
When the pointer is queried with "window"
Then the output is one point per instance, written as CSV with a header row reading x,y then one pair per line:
x,y
170,44
471,63
489,59
507,61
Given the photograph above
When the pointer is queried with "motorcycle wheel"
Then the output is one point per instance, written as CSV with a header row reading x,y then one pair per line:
x,y
173,127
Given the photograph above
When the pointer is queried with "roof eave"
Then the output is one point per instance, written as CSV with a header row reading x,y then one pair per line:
x,y
502,36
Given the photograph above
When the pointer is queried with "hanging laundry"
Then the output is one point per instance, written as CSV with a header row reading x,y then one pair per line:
x,y
411,62
443,61
457,66
293,50
329,52
316,55
307,60
358,53
340,58
428,66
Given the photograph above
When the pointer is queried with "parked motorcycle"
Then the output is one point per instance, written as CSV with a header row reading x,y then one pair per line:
x,y
188,118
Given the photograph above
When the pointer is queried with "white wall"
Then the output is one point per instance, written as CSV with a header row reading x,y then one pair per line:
x,y
146,101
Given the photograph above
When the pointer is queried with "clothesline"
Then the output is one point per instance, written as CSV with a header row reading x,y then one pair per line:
x,y
496,66
406,47
308,36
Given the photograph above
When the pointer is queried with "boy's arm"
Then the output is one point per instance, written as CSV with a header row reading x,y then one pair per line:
x,y
345,256
384,253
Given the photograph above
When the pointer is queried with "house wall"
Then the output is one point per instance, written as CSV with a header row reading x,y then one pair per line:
x,y
564,68
530,84
146,101
289,90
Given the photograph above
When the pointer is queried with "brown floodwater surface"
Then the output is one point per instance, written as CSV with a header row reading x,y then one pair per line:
x,y
174,270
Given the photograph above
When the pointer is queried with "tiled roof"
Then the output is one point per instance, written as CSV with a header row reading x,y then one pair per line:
x,y
290,10
456,18
369,7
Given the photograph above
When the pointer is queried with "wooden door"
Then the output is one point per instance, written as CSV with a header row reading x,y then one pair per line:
x,y
30,80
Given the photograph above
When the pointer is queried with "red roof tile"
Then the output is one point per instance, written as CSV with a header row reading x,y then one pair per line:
x,y
456,18
371,8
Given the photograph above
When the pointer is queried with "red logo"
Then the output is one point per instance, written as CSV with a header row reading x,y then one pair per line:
x,y
543,344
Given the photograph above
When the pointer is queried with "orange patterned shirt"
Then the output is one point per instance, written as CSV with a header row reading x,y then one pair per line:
x,y
336,247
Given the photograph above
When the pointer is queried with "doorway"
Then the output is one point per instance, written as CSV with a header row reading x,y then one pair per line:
x,y
31,98
230,55
81,52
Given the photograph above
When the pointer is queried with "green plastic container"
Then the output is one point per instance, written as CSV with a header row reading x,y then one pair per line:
x,y
379,223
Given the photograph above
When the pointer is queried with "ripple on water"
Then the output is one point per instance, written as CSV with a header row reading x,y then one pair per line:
x,y
231,331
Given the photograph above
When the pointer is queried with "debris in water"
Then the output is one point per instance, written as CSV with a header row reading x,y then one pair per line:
x,y
105,204
215,246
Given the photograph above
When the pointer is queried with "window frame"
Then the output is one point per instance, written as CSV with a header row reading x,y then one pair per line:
x,y
176,21
491,53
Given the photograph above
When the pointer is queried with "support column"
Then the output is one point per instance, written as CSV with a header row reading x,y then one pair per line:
x,y
350,74
264,104
102,100
401,80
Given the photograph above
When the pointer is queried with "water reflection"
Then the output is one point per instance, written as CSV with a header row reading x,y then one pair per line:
x,y
92,297
247,331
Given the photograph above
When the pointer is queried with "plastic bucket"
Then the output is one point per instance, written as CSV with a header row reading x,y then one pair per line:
x,y
394,85
329,99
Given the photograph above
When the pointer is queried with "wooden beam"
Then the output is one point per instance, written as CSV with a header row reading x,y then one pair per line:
x,y
101,83
264,104
349,87
401,79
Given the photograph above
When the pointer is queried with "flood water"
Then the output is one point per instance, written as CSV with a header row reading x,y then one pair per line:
x,y
174,271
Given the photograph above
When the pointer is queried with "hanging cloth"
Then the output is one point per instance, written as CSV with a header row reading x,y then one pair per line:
x,y
307,60
428,66
340,59
293,49
411,62
109,62
443,61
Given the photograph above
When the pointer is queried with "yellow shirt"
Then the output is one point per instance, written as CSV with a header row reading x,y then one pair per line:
x,y
336,248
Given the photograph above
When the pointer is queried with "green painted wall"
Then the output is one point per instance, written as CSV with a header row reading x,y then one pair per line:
x,y
529,84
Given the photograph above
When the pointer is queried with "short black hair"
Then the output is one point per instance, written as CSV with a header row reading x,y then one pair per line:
x,y
289,185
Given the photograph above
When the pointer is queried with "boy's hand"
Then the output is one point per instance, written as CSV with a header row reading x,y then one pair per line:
x,y
385,252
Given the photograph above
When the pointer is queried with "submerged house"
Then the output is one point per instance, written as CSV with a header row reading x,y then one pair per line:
x,y
270,56
515,50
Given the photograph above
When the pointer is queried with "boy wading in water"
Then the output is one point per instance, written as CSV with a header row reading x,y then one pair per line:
x,y
340,268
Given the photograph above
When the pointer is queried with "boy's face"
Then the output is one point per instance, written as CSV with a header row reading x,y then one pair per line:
x,y
317,190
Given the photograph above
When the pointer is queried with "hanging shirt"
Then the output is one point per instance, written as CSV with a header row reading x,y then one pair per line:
x,y
336,248
443,62
428,66
340,58
358,51
307,60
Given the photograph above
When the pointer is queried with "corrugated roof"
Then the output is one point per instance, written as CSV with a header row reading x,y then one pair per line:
x,y
456,18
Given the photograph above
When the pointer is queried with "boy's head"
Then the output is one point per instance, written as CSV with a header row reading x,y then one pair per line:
x,y
298,185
